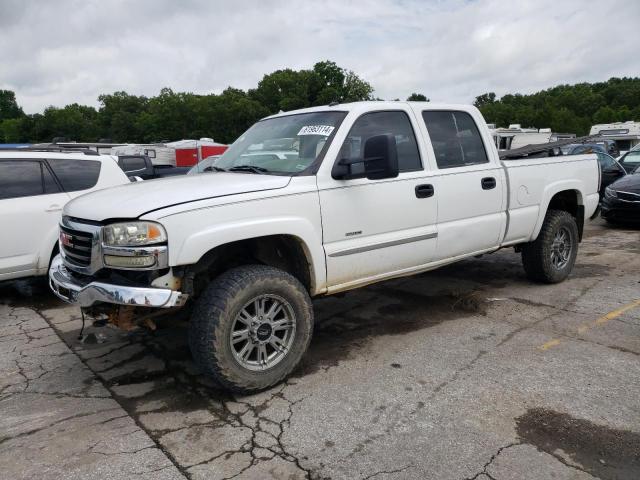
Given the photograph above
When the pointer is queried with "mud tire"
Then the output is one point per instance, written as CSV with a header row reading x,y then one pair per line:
x,y
536,255
212,321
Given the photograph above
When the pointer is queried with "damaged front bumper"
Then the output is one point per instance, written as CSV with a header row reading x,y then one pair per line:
x,y
85,294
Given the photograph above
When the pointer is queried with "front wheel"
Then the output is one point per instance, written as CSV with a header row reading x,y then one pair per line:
x,y
251,327
550,258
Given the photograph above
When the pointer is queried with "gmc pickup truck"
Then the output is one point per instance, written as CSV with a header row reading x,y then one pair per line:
x,y
358,193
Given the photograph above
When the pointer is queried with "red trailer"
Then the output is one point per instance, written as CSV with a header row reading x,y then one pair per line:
x,y
190,152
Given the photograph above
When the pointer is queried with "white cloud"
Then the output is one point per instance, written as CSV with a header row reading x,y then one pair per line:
x,y
55,53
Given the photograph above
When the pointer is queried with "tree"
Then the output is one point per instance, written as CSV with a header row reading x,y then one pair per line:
x,y
566,108
119,116
174,115
355,89
485,99
9,106
417,97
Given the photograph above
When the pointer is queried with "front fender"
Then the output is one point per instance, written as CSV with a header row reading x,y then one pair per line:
x,y
192,235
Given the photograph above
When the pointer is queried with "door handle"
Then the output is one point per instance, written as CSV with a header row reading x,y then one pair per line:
x,y
488,183
424,191
53,208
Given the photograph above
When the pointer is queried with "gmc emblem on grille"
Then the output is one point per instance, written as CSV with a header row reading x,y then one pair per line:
x,y
66,239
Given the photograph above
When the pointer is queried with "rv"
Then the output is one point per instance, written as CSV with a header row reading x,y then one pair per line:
x,y
626,135
515,136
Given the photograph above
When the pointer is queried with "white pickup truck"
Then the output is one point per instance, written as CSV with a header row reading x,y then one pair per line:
x,y
310,203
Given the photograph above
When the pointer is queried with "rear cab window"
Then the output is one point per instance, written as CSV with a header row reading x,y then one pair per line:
x,y
133,164
75,175
455,138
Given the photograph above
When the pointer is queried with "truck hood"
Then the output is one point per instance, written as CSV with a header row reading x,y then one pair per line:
x,y
135,199
628,183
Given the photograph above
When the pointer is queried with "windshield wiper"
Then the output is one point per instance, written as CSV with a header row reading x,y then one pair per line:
x,y
248,168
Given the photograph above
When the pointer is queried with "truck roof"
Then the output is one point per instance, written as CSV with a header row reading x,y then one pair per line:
x,y
374,105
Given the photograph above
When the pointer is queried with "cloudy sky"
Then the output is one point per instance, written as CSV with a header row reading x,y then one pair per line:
x,y
65,51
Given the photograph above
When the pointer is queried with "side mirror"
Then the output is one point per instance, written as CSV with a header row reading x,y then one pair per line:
x,y
380,160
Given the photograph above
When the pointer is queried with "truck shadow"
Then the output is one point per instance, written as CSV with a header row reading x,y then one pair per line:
x,y
344,323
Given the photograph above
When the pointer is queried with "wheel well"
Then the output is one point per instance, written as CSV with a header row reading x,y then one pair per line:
x,y
285,252
569,201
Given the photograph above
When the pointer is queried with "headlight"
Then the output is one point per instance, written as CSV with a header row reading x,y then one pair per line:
x,y
609,192
133,234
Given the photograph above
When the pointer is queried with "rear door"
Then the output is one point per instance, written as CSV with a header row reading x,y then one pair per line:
x,y
470,184
30,205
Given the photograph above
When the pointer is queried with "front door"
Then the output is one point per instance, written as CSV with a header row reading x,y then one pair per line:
x,y
372,228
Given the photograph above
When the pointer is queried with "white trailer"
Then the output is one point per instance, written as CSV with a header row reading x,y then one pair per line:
x,y
626,135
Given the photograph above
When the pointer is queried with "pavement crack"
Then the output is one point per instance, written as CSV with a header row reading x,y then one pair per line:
x,y
383,472
57,422
491,460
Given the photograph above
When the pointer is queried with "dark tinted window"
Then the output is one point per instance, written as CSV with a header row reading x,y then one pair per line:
x,y
20,178
48,182
75,175
455,138
605,161
379,123
132,163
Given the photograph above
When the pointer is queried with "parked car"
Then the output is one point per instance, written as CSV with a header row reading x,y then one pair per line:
x,y
34,187
374,190
204,166
630,160
141,166
621,201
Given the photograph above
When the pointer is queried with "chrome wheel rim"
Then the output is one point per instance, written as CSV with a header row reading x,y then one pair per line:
x,y
263,332
561,248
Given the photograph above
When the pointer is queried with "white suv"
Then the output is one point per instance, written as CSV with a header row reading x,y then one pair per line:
x,y
34,187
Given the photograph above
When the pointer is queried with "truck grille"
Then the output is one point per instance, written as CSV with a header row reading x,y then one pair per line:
x,y
76,246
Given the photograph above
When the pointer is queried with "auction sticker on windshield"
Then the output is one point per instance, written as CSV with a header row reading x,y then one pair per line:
x,y
324,130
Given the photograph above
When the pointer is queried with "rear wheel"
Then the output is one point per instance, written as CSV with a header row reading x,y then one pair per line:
x,y
250,327
550,258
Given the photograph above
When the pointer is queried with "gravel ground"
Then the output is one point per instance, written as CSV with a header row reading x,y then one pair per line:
x,y
466,372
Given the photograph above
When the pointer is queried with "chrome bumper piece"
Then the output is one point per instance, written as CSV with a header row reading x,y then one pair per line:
x,y
71,291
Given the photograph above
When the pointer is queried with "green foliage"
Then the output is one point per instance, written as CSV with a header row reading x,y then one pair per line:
x,y
176,115
566,108
9,108
417,97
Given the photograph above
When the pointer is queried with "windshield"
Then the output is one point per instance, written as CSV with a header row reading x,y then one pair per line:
x,y
282,145
204,165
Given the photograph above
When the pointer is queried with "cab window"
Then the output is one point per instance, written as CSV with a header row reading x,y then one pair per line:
x,y
455,138
395,123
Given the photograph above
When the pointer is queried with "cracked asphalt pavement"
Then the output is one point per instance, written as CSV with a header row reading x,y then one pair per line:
x,y
467,372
